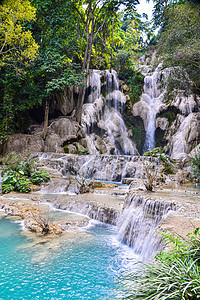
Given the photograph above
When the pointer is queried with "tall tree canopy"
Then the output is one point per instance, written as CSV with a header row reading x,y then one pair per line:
x,y
17,49
179,42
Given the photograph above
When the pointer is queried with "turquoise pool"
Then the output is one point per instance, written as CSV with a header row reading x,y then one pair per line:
x,y
84,268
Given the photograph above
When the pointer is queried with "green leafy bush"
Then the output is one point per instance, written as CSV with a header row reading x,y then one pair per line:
x,y
39,176
83,151
19,162
7,188
135,82
19,171
165,159
23,185
173,275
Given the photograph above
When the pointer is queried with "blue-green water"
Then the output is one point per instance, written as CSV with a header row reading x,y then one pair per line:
x,y
85,268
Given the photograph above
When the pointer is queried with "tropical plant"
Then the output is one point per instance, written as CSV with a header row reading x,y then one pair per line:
x,y
164,158
179,42
39,176
173,275
19,171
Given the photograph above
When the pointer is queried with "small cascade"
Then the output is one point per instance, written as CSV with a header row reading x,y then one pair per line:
x,y
92,210
101,118
95,87
138,222
98,167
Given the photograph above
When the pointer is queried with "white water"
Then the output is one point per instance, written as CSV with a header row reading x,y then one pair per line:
x,y
104,114
153,97
138,222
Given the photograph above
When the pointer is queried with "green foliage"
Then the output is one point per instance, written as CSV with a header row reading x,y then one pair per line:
x,y
179,43
19,171
21,163
195,163
83,151
66,149
135,82
23,185
165,159
17,49
170,116
16,42
39,176
15,181
173,275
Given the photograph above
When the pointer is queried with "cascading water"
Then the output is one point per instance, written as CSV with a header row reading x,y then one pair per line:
x,y
138,222
102,120
151,95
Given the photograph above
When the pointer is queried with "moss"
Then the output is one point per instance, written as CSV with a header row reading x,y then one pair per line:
x,y
160,138
66,149
170,116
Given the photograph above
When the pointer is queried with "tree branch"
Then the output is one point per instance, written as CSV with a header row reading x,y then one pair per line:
x,y
6,36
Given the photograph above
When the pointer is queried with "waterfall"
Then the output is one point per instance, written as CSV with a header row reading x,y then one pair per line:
x,y
98,167
102,120
138,222
150,95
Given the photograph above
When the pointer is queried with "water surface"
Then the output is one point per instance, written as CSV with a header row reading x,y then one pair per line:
x,y
85,267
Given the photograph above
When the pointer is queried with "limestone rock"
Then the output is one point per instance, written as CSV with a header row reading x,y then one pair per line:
x,y
185,136
65,127
25,142
185,104
163,123
53,143
65,101
181,176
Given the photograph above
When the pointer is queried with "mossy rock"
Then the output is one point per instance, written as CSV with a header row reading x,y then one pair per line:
x,y
99,184
66,149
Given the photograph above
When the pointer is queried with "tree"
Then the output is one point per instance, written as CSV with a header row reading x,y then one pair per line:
x,y
17,49
16,42
94,14
179,43
56,66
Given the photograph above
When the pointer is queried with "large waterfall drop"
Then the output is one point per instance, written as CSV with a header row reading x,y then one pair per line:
x,y
102,121
151,95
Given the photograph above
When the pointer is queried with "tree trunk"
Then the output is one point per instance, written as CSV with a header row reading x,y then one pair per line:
x,y
111,58
86,50
89,51
46,119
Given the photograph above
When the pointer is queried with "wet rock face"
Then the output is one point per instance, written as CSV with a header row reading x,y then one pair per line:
x,y
100,167
170,123
102,119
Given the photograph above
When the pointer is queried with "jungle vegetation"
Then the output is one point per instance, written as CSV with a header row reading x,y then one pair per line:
x,y
47,45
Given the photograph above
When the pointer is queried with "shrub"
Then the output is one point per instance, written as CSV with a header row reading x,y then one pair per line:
x,y
39,176
173,275
23,185
19,170
135,82
19,162
7,188
66,149
165,159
